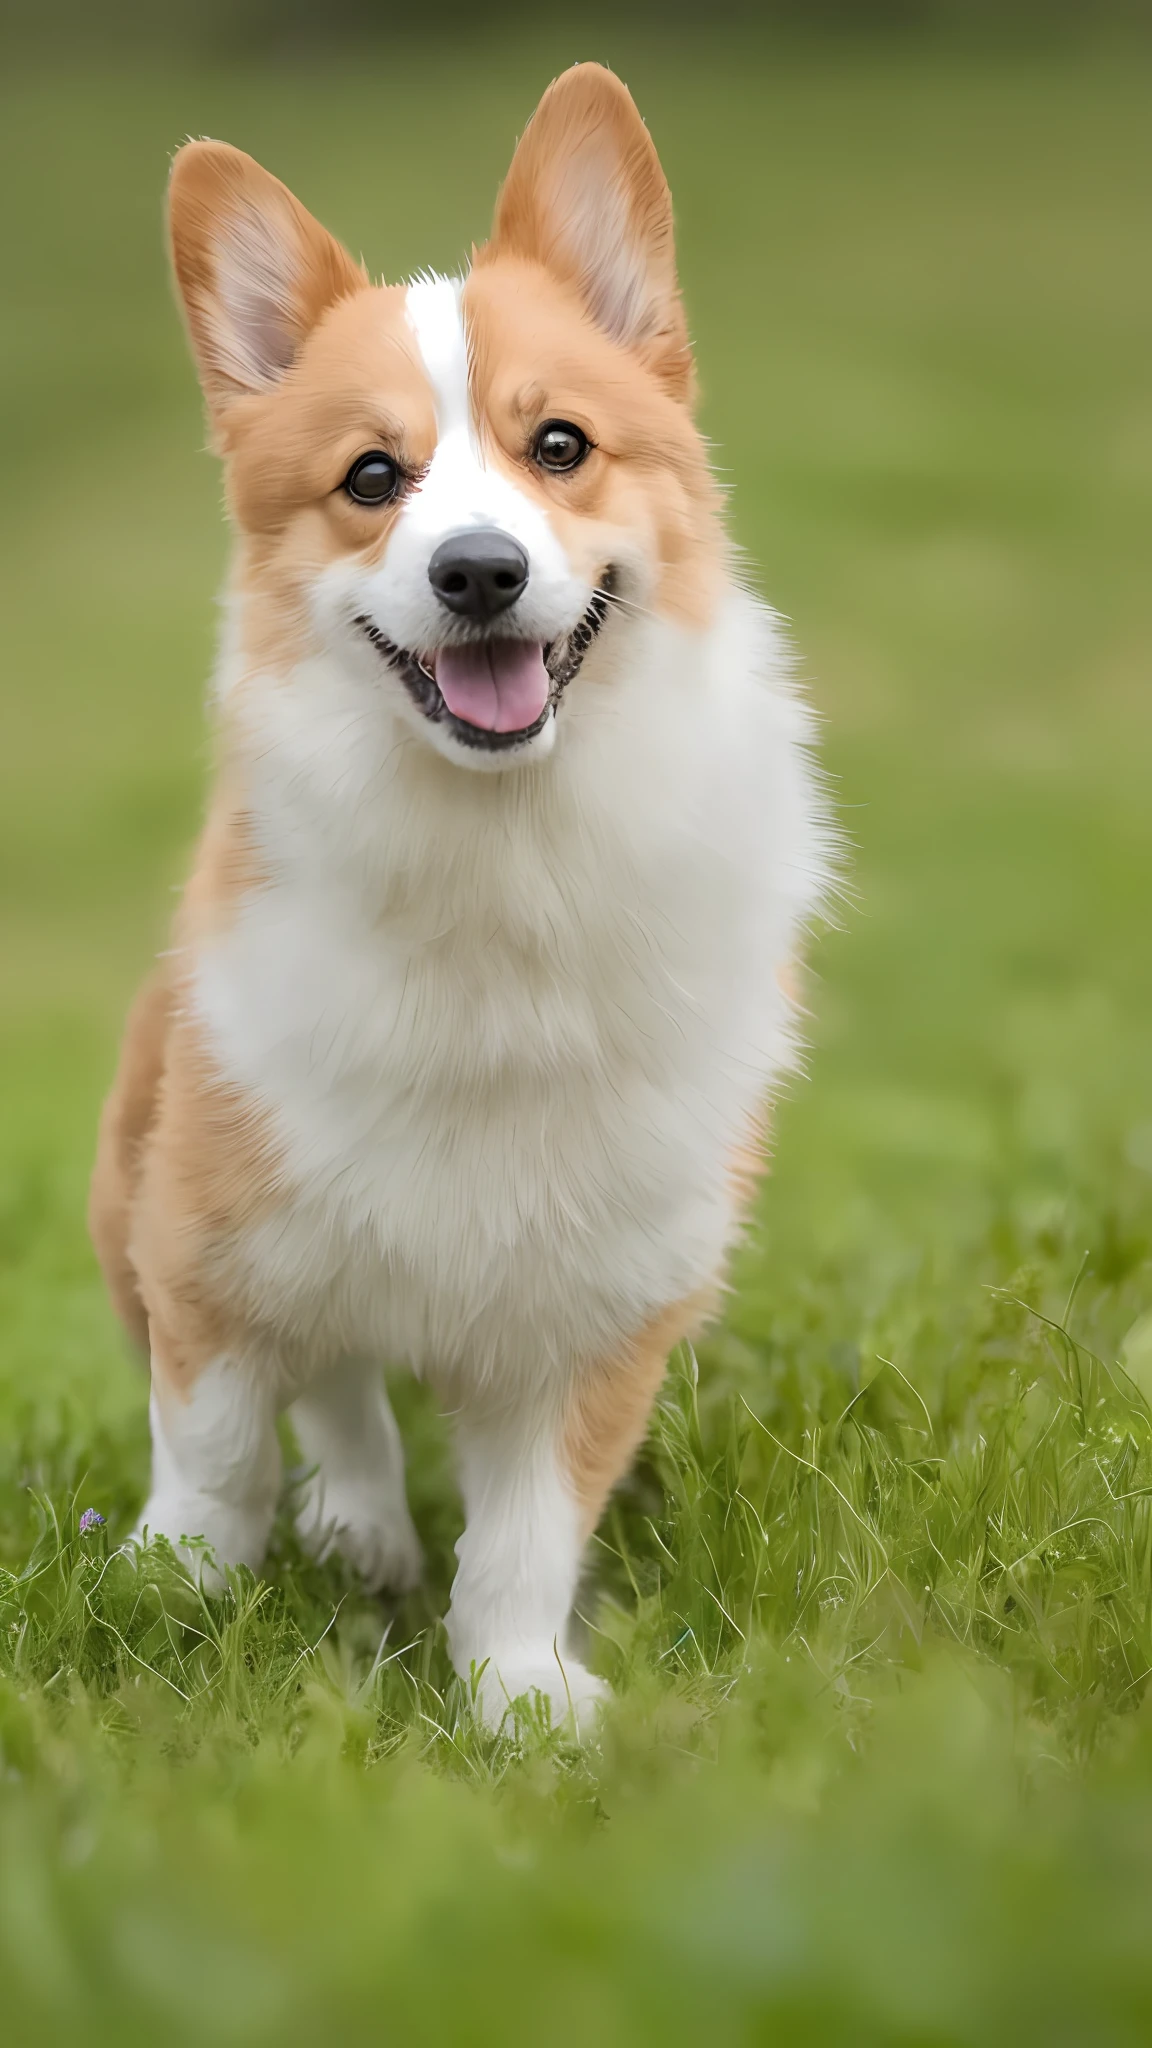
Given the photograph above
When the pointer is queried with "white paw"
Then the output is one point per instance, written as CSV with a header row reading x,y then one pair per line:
x,y
361,1523
573,1696
196,1524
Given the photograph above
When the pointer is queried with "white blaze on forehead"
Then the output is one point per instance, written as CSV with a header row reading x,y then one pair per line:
x,y
436,317
461,487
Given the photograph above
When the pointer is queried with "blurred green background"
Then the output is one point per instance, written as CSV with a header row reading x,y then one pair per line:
x,y
915,250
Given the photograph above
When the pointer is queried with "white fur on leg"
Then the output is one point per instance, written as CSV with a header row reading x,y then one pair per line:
x,y
215,1469
519,1561
354,1501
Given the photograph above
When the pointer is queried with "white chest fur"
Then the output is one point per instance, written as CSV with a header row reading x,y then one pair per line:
x,y
508,1028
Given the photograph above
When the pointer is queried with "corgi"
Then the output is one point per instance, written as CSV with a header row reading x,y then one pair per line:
x,y
477,994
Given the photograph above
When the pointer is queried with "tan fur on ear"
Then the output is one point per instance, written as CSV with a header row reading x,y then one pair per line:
x,y
586,197
255,271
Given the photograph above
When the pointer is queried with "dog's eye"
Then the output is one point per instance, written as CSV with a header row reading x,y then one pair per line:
x,y
559,445
373,480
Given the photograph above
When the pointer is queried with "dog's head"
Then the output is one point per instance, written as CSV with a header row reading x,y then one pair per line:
x,y
460,490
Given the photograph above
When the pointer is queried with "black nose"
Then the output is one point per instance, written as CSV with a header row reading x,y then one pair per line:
x,y
478,573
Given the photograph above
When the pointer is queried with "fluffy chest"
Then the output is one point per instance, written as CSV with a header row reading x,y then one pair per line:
x,y
470,1118
507,1048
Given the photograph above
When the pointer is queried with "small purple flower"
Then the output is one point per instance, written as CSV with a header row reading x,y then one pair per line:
x,y
90,1519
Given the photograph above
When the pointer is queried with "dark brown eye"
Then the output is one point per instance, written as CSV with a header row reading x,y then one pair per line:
x,y
373,480
559,445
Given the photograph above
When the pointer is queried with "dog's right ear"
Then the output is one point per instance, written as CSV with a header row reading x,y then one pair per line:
x,y
255,271
586,197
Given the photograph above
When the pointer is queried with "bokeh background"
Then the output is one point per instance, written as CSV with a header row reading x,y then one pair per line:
x,y
916,252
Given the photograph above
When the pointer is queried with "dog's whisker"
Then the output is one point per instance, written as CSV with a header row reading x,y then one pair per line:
x,y
629,604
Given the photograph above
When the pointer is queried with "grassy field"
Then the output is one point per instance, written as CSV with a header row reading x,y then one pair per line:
x,y
878,1602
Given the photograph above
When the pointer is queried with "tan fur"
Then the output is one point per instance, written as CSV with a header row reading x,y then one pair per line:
x,y
124,1126
182,1161
610,1405
358,385
748,1163
208,1172
543,346
537,353
183,1164
216,193
586,130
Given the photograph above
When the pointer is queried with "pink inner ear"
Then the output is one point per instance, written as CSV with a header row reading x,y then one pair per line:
x,y
497,685
595,230
586,197
256,268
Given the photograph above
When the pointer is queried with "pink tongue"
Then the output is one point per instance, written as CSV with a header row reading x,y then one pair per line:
x,y
499,685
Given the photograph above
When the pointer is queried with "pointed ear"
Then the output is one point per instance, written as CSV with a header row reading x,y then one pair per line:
x,y
587,198
254,270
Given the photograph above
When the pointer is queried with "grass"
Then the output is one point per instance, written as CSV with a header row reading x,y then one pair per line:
x,y
878,1601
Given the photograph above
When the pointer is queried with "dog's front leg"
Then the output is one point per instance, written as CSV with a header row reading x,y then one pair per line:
x,y
535,1479
215,1458
519,1559
353,1500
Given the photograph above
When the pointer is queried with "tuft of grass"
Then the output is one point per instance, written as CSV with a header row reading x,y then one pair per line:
x,y
876,1604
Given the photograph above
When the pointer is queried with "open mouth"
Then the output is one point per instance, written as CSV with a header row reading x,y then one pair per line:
x,y
494,693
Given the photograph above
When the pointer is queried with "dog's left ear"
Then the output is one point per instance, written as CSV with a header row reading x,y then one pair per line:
x,y
587,198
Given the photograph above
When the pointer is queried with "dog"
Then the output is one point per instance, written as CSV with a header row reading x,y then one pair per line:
x,y
478,991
